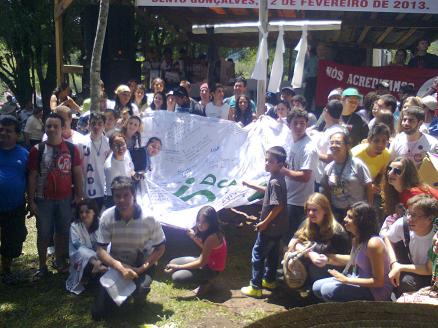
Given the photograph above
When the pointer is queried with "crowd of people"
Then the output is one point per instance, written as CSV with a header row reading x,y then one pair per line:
x,y
347,197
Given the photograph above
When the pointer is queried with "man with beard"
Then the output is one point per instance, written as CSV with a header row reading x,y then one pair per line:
x,y
411,143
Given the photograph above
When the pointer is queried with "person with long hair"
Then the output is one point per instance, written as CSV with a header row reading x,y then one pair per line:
x,y
401,183
132,131
140,98
158,85
365,276
282,110
243,114
209,237
84,263
123,101
319,227
61,97
159,102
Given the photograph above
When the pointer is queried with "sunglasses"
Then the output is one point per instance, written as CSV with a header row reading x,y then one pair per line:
x,y
396,171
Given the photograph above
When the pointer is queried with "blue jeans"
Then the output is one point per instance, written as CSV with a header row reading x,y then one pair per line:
x,y
264,260
331,290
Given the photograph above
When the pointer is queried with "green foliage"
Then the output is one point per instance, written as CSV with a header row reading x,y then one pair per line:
x,y
26,35
433,49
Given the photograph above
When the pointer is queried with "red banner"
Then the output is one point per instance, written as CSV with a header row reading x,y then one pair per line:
x,y
332,75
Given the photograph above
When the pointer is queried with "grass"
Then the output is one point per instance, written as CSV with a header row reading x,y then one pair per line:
x,y
48,304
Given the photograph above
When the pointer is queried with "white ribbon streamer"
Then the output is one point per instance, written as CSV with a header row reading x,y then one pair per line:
x,y
297,80
260,68
278,65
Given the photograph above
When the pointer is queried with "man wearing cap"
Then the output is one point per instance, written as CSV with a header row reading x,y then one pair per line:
x,y
170,101
184,104
286,94
356,127
239,89
430,104
13,162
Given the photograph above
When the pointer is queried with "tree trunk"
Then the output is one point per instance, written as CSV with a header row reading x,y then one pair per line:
x,y
97,55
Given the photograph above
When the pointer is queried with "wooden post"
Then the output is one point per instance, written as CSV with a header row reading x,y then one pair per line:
x,y
58,42
261,84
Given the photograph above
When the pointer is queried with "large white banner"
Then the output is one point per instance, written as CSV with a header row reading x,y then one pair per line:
x,y
204,161
397,6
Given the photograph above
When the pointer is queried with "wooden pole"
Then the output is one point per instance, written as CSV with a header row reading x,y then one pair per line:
x,y
58,43
261,84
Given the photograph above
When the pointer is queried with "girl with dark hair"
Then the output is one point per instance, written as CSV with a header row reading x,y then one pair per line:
x,y
159,102
365,276
140,98
208,236
282,109
84,263
243,114
153,148
61,97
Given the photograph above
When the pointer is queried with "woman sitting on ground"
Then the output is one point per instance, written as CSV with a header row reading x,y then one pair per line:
x,y
84,264
208,236
320,227
365,276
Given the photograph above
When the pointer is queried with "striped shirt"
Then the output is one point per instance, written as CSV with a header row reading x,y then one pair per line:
x,y
131,241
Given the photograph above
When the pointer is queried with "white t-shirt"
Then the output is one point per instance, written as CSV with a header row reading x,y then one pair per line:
x,y
418,245
302,156
95,154
322,146
415,150
212,110
34,127
114,168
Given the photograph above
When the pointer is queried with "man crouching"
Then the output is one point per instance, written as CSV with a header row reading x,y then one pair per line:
x,y
137,243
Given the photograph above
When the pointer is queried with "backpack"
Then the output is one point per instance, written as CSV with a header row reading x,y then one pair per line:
x,y
42,147
401,248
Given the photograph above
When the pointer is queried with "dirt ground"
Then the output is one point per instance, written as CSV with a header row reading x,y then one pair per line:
x,y
240,235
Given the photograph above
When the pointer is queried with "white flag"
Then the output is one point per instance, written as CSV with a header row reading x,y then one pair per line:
x,y
277,65
297,80
260,68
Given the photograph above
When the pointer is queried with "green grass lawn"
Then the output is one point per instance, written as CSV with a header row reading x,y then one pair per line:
x,y
47,303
